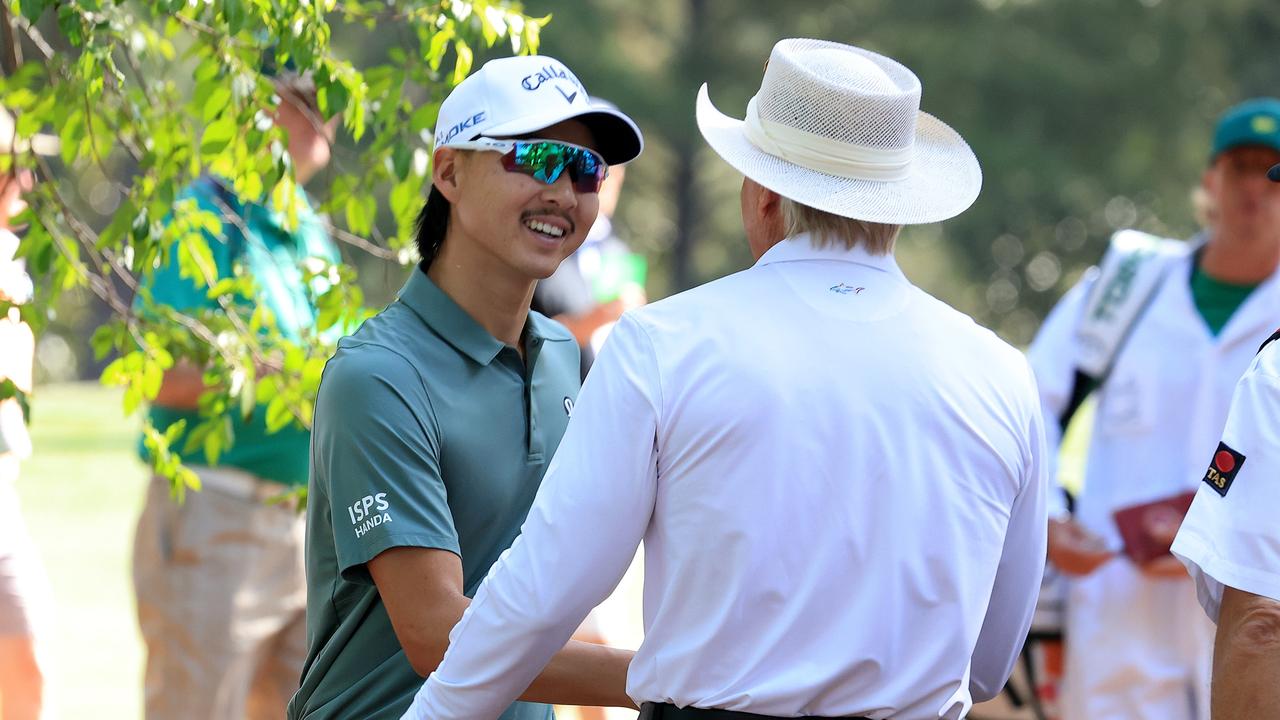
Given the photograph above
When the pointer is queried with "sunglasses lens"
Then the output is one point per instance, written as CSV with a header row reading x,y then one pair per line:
x,y
588,172
546,161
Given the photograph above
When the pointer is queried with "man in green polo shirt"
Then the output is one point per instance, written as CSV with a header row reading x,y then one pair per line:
x,y
219,578
436,420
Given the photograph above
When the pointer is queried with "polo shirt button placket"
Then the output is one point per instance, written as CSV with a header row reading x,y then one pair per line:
x,y
531,407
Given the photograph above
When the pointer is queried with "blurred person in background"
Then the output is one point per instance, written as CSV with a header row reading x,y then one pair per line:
x,y
1137,643
598,282
25,597
436,420
219,577
839,480
1231,545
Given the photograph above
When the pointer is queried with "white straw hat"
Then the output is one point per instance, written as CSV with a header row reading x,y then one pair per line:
x,y
839,128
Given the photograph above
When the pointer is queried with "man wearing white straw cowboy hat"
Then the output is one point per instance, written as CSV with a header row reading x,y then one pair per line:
x,y
839,480
24,587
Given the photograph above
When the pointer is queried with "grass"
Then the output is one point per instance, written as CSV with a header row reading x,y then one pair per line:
x,y
81,493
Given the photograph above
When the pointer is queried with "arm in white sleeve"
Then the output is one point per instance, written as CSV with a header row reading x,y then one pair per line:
x,y
1017,581
582,531
1232,539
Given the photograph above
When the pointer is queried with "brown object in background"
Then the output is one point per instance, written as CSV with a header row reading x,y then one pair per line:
x,y
1148,529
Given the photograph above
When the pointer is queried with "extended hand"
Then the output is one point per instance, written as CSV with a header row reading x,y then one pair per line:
x,y
1163,528
1074,550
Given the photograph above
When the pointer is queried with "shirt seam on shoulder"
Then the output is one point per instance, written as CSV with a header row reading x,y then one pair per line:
x,y
657,373
426,391
1264,376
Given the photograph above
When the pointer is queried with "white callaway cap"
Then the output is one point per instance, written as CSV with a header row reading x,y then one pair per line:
x,y
515,96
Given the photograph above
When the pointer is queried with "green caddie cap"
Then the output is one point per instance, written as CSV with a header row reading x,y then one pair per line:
x,y
1252,122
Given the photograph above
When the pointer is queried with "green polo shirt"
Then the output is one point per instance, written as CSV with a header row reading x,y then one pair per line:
x,y
428,433
274,256
1217,300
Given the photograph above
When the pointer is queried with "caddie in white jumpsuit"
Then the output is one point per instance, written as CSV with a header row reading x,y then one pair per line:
x,y
1138,645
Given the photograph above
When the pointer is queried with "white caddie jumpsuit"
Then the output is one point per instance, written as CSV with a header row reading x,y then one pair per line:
x,y
1139,647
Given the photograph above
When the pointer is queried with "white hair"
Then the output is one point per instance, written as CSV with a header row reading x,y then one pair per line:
x,y
826,228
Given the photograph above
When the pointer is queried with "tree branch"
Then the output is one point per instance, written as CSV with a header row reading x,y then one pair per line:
x,y
232,312
357,241
85,235
12,57
33,34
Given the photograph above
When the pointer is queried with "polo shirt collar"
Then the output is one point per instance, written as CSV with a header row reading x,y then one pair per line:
x,y
800,247
459,329
450,321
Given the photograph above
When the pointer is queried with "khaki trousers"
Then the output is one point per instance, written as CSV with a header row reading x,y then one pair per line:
x,y
221,599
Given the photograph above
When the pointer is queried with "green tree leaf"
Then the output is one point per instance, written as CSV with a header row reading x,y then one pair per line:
x,y
361,209
217,136
148,96
216,103
31,9
462,67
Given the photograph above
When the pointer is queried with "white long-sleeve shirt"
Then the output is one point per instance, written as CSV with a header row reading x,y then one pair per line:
x,y
839,482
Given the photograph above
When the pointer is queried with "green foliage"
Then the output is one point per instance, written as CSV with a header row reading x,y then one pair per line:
x,y
8,389
151,94
166,462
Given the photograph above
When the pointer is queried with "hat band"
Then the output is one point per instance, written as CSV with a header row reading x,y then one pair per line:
x,y
858,162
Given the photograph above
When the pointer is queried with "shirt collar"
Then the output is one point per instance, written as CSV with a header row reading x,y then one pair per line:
x,y
450,321
800,247
459,329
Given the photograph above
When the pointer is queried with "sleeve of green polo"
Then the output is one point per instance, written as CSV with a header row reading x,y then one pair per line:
x,y
375,453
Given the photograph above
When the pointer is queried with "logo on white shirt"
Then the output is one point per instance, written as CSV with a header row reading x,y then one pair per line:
x,y
842,289
1222,470
369,512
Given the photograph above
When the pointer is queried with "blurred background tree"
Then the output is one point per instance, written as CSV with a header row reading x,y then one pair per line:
x,y
1088,116
145,97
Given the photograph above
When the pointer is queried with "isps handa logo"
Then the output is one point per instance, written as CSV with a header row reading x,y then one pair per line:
x,y
369,512
1222,471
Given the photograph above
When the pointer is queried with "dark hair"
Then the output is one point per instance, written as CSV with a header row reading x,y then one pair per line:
x,y
433,223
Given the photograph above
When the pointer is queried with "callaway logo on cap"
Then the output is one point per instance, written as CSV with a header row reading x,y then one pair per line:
x,y
518,96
